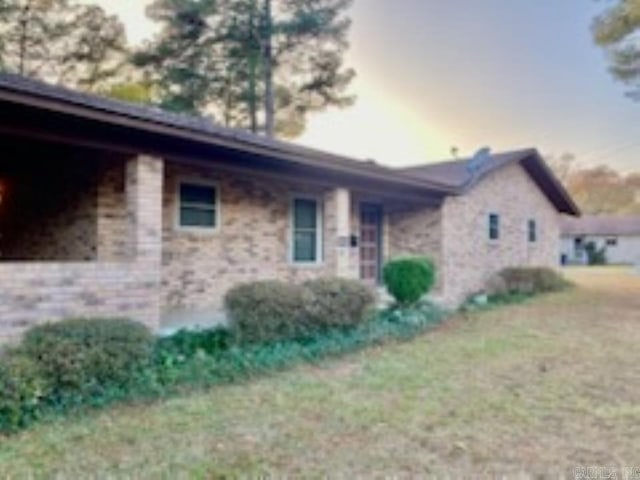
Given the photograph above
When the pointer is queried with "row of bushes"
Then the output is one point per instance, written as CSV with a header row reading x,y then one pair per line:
x,y
78,363
96,371
93,362
271,310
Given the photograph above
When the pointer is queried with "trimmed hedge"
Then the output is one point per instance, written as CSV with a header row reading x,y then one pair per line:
x,y
267,311
272,310
409,279
85,356
525,281
338,302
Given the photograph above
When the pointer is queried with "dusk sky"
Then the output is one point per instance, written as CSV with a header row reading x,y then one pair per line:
x,y
503,73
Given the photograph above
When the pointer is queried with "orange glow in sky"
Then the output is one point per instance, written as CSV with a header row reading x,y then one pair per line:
x,y
435,74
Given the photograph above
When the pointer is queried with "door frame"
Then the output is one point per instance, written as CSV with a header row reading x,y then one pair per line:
x,y
363,205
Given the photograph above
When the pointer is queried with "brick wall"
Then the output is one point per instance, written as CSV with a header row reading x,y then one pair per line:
x,y
252,240
469,258
32,293
145,267
455,236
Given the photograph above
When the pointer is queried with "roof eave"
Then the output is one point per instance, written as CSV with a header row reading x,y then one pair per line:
x,y
567,205
298,155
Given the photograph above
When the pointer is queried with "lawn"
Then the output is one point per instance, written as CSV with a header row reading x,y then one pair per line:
x,y
537,388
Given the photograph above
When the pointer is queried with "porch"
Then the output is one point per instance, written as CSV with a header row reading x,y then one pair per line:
x,y
79,234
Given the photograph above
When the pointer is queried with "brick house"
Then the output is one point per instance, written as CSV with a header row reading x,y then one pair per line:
x,y
109,209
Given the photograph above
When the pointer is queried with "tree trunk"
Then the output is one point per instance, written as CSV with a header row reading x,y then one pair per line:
x,y
253,96
24,37
254,39
267,55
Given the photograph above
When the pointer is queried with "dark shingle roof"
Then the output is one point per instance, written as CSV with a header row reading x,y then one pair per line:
x,y
30,90
455,174
601,225
446,178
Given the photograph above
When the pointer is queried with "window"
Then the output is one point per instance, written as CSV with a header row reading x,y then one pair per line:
x,y
198,207
612,242
494,226
533,231
306,231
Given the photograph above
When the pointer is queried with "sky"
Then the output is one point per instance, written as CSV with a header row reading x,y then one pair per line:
x,y
434,74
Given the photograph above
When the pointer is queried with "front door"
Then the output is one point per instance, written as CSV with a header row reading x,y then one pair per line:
x,y
370,242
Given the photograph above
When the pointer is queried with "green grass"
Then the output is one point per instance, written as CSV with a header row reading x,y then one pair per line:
x,y
539,387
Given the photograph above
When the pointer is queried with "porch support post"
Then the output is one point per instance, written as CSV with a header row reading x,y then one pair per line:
x,y
144,186
144,179
340,232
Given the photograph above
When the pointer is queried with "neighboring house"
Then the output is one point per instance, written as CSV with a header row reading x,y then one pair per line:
x,y
617,235
110,209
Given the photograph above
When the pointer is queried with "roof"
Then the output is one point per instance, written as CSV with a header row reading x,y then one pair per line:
x,y
601,225
455,174
27,92
32,107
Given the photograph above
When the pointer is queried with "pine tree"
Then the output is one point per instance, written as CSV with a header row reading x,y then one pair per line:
x,y
616,30
57,41
199,59
304,45
262,65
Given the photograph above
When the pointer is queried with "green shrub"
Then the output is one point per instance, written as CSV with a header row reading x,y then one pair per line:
x,y
338,302
22,389
249,360
84,356
207,358
548,280
271,310
409,279
595,255
525,281
267,311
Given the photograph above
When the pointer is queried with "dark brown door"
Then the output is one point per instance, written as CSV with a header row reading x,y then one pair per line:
x,y
370,242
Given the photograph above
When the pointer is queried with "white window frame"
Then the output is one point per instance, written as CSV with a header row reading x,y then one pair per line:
x,y
218,207
319,230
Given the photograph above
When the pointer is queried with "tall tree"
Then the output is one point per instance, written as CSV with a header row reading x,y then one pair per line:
x,y
61,42
199,60
616,29
304,42
256,64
